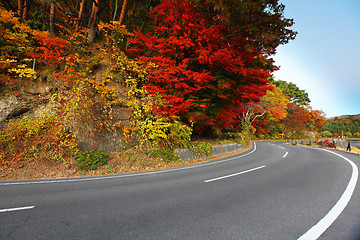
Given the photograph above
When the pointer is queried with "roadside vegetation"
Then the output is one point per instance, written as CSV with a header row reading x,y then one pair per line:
x,y
117,89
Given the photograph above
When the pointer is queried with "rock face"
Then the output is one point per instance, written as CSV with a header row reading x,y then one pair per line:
x,y
34,101
8,106
31,101
109,141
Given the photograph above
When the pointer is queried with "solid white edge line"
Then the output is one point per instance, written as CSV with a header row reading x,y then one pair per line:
x,y
317,230
128,175
16,209
235,174
285,154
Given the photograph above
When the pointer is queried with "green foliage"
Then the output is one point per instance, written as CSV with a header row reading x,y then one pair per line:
x,y
326,134
165,154
91,160
297,96
242,137
164,132
343,126
348,134
38,20
201,149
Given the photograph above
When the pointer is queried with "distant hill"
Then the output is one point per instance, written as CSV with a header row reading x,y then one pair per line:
x,y
344,116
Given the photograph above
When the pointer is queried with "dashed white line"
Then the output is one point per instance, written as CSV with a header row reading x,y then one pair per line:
x,y
285,154
317,230
235,174
16,209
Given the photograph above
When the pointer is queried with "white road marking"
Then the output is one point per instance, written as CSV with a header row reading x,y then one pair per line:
x,y
235,174
317,230
285,154
281,147
127,175
16,209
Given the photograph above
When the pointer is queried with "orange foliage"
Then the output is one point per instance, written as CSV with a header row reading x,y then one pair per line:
x,y
316,118
44,139
50,50
275,103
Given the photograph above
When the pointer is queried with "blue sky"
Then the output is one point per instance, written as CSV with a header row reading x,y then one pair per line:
x,y
324,59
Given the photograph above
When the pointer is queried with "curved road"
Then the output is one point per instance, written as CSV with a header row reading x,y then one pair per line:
x,y
274,191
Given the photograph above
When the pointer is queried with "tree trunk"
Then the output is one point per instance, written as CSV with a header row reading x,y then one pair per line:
x,y
20,8
52,19
115,10
111,12
122,14
93,23
81,11
26,9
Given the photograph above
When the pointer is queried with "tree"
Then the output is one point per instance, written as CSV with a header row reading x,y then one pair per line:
x,y
93,22
326,134
122,14
275,104
77,22
316,118
262,21
23,8
204,72
52,19
297,96
251,113
340,126
295,121
21,44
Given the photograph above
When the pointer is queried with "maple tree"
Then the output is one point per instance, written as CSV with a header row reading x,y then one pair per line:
x,y
22,47
316,118
204,72
295,121
274,104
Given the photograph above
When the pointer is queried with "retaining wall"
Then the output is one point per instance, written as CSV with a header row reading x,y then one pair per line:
x,y
186,154
339,142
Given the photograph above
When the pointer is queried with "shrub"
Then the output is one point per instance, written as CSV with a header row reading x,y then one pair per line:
x,y
201,149
44,139
166,155
348,134
91,160
326,143
326,134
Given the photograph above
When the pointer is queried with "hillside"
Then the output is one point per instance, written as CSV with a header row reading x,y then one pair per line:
x,y
80,93
345,116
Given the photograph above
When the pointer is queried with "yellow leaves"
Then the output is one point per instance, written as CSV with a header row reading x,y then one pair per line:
x,y
11,28
108,93
7,61
276,102
157,129
22,71
6,16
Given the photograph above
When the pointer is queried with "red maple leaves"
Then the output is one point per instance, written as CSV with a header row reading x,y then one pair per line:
x,y
200,68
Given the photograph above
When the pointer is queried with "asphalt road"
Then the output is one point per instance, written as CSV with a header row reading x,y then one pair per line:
x,y
274,191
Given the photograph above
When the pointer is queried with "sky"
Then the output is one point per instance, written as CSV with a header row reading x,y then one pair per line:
x,y
324,59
